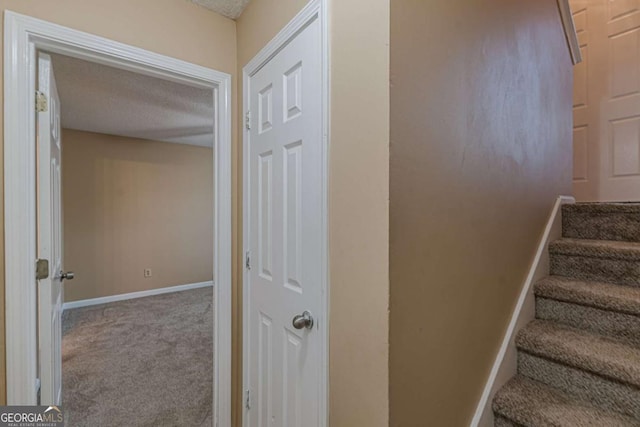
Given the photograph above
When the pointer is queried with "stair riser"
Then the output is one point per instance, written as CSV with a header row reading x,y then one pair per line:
x,y
600,392
503,422
625,327
622,272
624,226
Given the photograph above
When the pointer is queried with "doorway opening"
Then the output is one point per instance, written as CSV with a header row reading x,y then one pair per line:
x,y
134,167
26,39
606,96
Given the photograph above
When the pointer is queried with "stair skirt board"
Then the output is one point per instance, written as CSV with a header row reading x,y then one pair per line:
x,y
132,295
505,364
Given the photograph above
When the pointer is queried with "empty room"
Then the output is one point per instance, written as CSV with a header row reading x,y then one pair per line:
x,y
136,168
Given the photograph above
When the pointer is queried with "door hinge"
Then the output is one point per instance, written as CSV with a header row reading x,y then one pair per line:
x,y
41,102
247,402
247,260
42,269
247,120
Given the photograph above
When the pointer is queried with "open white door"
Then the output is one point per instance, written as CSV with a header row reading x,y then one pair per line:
x,y
50,292
606,101
284,222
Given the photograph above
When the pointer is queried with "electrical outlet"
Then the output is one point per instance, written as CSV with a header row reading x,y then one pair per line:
x,y
147,272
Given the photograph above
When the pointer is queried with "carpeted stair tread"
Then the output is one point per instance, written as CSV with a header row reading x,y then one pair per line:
x,y
600,355
579,360
605,249
622,326
596,208
603,221
606,296
598,391
530,403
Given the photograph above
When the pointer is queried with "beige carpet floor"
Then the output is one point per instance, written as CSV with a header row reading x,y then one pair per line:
x,y
141,362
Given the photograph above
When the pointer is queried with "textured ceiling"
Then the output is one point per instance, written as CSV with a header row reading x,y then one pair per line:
x,y
98,98
229,8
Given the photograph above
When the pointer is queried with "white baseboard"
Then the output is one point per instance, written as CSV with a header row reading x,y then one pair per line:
x,y
505,365
132,295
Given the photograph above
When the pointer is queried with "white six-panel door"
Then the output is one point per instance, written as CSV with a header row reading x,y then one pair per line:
x,y
285,205
49,236
606,104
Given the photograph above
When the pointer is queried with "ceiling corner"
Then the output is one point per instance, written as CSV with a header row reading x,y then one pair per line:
x,y
229,8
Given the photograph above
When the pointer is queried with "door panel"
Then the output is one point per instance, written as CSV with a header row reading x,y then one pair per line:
x,y
607,101
285,235
50,293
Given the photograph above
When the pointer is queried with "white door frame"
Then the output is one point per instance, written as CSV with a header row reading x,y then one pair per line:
x,y
23,36
315,9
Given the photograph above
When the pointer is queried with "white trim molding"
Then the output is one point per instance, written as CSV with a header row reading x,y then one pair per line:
x,y
505,365
134,295
23,36
570,31
315,9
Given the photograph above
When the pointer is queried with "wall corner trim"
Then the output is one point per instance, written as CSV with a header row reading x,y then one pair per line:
x,y
504,366
570,31
134,295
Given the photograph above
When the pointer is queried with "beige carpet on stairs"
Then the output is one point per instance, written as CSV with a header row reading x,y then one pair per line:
x,y
579,361
141,362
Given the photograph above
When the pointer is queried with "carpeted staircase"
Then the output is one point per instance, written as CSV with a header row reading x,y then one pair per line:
x,y
579,360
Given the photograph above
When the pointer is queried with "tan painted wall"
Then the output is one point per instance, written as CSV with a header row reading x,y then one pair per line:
x,y
131,204
175,28
359,213
358,197
480,148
